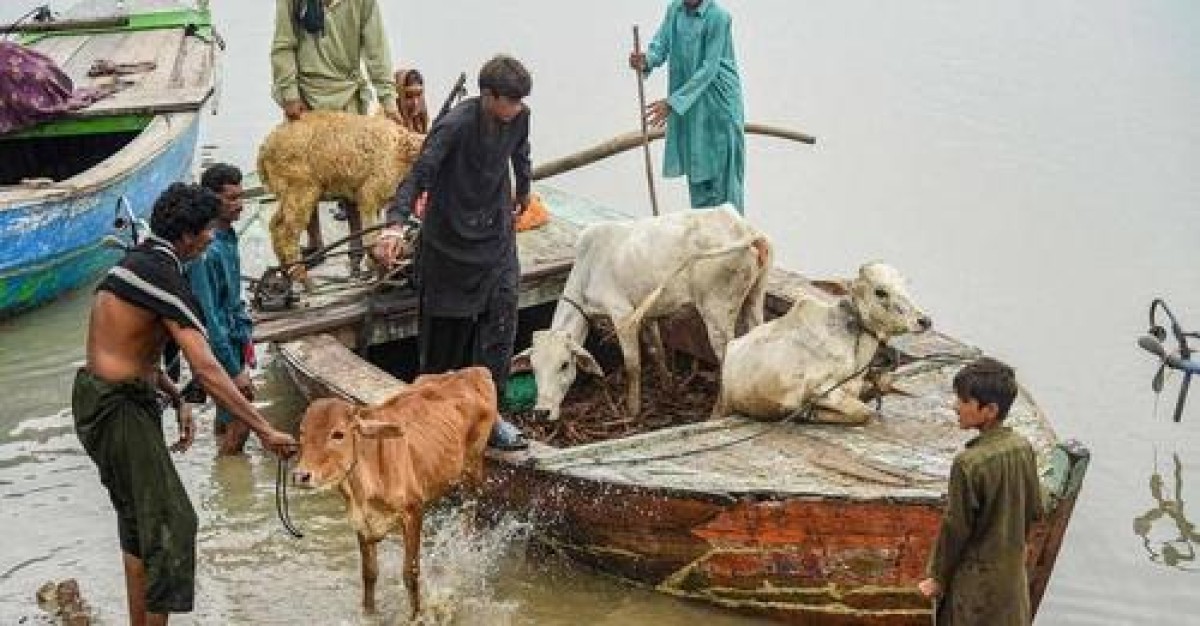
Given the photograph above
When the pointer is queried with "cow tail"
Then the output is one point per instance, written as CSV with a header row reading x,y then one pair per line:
x,y
635,318
754,304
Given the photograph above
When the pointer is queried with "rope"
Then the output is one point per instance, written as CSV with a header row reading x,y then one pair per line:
x,y
281,500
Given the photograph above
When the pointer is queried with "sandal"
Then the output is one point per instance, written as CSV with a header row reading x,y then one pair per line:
x,y
507,437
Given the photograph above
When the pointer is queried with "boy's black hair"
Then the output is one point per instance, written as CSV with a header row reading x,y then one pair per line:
x,y
183,209
218,175
987,381
505,76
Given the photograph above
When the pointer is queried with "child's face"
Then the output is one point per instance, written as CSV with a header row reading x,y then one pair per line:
x,y
503,108
973,416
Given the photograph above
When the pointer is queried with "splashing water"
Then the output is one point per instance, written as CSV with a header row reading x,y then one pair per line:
x,y
459,565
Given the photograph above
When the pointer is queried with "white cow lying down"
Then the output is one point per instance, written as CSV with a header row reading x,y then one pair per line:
x,y
649,268
805,355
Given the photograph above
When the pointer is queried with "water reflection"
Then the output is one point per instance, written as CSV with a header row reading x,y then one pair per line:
x,y
1167,534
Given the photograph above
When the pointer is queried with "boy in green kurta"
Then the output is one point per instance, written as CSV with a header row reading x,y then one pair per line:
x,y
977,568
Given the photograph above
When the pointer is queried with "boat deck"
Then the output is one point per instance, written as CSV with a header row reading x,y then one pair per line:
x,y
175,67
905,455
339,305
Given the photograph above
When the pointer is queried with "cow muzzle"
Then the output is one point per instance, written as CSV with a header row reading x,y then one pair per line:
x,y
302,477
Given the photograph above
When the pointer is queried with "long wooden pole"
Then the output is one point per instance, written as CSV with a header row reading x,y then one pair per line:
x,y
641,82
633,139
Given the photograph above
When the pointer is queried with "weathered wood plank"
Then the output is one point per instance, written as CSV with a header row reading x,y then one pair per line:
x,y
357,381
165,48
99,46
60,49
149,103
197,67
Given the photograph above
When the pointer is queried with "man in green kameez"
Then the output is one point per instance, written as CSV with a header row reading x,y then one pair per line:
x,y
977,569
317,58
704,113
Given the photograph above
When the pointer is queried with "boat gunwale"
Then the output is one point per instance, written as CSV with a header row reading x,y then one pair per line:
x,y
159,134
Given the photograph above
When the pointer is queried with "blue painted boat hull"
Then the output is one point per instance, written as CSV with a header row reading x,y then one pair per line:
x,y
53,246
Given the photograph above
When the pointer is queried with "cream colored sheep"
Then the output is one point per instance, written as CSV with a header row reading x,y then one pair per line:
x,y
332,154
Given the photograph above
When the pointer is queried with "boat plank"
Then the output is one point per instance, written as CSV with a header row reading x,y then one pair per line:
x,y
97,46
358,381
60,49
149,103
196,69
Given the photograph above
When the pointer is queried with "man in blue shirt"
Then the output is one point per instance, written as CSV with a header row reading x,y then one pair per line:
x,y
216,281
704,112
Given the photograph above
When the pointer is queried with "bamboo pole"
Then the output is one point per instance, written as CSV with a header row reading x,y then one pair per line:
x,y
631,140
65,25
641,83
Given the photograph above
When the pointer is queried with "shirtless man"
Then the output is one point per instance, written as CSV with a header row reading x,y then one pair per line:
x,y
141,303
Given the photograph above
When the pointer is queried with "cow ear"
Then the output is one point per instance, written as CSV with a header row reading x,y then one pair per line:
x,y
521,361
585,361
376,429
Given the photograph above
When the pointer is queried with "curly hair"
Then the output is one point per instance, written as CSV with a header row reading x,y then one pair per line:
x,y
987,381
218,175
505,76
183,209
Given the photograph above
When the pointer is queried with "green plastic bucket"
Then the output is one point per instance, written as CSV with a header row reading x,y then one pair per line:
x,y
520,394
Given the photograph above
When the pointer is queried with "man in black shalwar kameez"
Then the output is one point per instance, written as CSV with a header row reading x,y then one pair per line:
x,y
467,257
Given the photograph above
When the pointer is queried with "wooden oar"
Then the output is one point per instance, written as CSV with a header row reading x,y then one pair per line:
x,y
631,140
641,82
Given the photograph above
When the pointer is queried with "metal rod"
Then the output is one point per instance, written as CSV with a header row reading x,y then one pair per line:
x,y
641,82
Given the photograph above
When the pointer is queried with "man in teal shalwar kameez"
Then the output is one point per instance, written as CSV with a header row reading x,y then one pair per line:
x,y
704,112
216,281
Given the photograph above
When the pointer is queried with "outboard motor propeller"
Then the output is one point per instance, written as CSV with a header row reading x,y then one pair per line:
x,y
1180,359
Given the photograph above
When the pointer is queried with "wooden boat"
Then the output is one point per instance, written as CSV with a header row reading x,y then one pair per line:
x,y
63,184
807,523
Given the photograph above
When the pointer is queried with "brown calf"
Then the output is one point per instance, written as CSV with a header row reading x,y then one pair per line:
x,y
392,460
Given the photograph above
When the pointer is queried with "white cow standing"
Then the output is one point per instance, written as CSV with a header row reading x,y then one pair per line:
x,y
650,268
818,352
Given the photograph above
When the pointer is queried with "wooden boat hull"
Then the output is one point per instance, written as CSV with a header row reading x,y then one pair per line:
x,y
810,560
806,523
51,245
804,560
816,556
61,181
